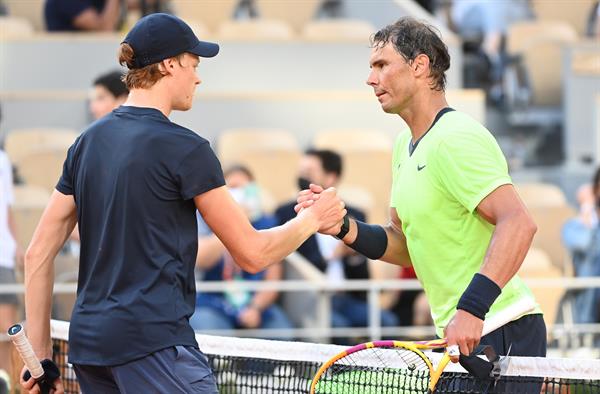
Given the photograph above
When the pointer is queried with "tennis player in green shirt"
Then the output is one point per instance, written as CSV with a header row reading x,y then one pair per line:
x,y
455,215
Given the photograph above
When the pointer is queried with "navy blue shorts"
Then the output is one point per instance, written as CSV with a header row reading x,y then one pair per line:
x,y
177,369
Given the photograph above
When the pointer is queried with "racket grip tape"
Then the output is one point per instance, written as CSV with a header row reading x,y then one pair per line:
x,y
45,372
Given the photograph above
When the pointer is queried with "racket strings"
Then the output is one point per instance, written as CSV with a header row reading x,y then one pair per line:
x,y
376,370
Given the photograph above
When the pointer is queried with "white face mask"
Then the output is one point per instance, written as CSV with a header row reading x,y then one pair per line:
x,y
248,197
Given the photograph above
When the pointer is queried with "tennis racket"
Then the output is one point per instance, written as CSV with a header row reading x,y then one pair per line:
x,y
19,339
396,366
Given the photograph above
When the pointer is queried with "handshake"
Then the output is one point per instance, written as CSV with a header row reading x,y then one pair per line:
x,y
324,206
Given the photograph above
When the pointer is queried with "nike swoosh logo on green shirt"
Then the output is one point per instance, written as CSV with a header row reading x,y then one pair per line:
x,y
419,168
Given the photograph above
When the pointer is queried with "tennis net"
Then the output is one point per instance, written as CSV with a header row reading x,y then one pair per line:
x,y
256,366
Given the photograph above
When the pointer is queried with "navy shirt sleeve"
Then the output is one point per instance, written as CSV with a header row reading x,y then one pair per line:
x,y
199,172
65,183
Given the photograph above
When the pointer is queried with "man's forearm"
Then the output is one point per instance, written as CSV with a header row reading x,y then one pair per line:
x,y
274,244
386,243
39,280
508,247
56,224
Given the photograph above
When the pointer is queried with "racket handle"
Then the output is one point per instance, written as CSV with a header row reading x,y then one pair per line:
x,y
18,338
511,313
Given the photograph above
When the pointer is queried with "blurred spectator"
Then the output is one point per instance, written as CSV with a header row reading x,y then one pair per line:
x,y
108,93
593,27
10,252
485,23
411,306
330,255
236,308
73,15
428,5
94,15
581,235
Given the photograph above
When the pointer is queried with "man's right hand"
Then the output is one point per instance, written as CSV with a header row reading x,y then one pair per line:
x,y
307,197
326,206
31,387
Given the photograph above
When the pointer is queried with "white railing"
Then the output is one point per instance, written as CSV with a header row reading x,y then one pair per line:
x,y
322,331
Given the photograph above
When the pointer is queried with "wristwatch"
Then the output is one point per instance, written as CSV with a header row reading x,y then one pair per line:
x,y
345,228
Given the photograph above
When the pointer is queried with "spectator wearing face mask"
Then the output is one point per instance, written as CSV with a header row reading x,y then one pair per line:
x,y
236,308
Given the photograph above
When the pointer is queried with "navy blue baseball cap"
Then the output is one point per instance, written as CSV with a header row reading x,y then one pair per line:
x,y
156,37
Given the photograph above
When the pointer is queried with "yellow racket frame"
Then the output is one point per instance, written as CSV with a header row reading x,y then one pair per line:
x,y
414,347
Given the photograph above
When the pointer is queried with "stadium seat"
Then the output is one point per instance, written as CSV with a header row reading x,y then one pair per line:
x,y
21,142
534,78
255,30
30,202
32,10
295,12
353,140
209,12
14,27
535,194
358,197
199,28
537,264
550,220
550,210
575,13
43,166
332,30
469,101
272,155
367,158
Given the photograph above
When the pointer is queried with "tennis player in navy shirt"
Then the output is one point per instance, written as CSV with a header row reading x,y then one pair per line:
x,y
133,181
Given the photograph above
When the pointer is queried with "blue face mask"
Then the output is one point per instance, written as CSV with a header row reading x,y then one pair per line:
x,y
248,197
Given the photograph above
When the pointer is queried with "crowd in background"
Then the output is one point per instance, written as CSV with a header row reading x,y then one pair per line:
x,y
481,24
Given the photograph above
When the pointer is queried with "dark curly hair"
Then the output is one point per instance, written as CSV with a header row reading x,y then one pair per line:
x,y
412,38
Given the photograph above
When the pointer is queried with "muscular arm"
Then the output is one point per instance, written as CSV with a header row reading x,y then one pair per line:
x,y
90,19
397,250
512,236
56,224
255,250
510,242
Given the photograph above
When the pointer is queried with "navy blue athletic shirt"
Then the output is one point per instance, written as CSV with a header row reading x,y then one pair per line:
x,y
133,175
